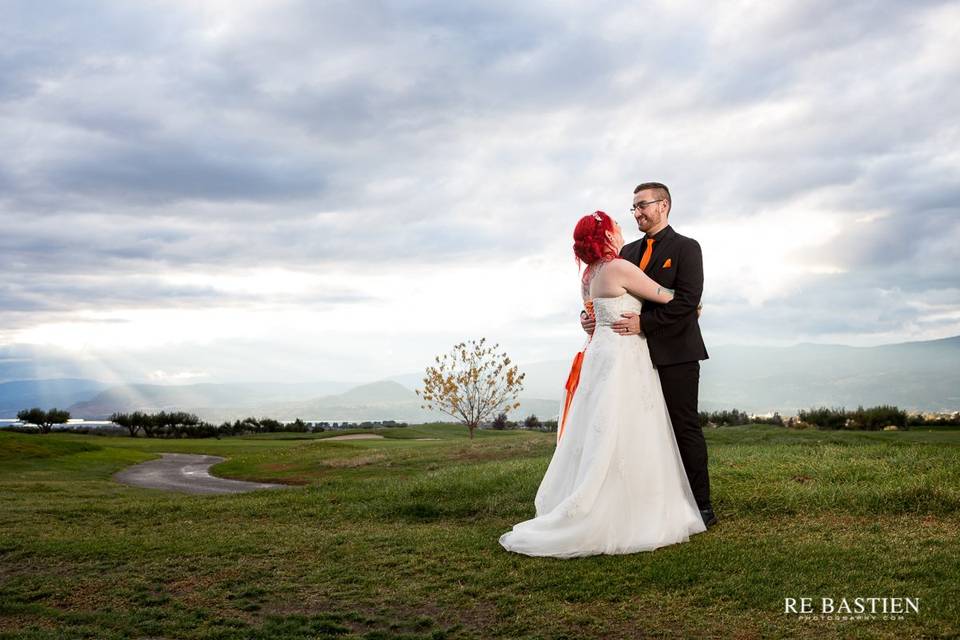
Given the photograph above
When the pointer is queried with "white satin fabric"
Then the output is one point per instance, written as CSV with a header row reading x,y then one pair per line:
x,y
616,482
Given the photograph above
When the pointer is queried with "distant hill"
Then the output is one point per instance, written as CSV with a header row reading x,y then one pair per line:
x,y
912,375
383,400
46,394
154,397
381,392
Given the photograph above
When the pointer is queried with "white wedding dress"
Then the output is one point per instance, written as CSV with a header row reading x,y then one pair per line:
x,y
616,483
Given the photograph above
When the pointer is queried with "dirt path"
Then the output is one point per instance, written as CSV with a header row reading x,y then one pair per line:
x,y
186,473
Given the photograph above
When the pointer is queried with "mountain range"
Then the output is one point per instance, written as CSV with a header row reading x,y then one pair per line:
x,y
912,375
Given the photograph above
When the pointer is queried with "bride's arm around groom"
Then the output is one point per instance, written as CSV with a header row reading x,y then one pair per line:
x,y
674,317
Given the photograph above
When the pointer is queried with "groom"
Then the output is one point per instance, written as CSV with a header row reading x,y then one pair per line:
x,y
672,330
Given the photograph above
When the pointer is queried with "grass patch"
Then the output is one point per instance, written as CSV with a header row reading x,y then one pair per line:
x,y
397,538
15,448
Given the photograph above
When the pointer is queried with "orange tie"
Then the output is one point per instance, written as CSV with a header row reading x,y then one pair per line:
x,y
646,254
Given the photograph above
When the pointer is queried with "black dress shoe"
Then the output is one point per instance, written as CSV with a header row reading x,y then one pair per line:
x,y
709,517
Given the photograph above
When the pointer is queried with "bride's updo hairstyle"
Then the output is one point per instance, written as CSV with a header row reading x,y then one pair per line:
x,y
590,241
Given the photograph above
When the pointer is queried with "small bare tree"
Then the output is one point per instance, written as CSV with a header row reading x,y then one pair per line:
x,y
472,383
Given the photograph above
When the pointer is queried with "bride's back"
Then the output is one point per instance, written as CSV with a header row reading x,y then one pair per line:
x,y
606,281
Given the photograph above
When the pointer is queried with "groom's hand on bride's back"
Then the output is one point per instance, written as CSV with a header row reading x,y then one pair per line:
x,y
588,322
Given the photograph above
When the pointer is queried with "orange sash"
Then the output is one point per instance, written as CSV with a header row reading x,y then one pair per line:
x,y
573,380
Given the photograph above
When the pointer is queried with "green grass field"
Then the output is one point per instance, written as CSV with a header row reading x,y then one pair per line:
x,y
397,538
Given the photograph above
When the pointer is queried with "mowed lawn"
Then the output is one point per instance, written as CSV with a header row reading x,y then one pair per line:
x,y
397,538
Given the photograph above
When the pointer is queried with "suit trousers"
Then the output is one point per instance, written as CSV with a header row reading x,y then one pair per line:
x,y
681,387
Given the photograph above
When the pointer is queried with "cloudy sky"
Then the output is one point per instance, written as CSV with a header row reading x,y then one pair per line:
x,y
214,191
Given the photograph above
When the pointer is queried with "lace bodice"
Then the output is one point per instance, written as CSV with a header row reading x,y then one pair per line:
x,y
608,310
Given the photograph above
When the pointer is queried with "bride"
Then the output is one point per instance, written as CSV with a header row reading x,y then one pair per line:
x,y
616,483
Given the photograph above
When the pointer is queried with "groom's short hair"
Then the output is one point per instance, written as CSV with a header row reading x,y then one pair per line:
x,y
659,189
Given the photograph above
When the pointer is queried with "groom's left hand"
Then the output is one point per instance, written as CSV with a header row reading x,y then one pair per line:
x,y
629,326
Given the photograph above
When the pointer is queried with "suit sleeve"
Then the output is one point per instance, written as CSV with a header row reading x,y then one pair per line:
x,y
629,253
688,288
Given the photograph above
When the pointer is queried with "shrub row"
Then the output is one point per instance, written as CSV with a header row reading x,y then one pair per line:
x,y
735,417
531,422
872,419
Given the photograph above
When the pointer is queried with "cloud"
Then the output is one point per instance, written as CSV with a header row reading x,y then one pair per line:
x,y
351,156
155,171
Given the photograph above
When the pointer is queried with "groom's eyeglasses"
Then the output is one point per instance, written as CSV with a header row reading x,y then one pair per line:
x,y
643,205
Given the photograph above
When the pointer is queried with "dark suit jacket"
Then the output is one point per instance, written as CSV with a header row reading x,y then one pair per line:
x,y
672,329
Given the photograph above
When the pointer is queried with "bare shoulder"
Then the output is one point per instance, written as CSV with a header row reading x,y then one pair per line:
x,y
610,279
614,270
622,265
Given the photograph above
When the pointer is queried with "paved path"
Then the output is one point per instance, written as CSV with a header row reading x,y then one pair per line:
x,y
364,436
186,473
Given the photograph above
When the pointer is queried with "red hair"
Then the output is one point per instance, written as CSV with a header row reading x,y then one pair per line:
x,y
590,241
